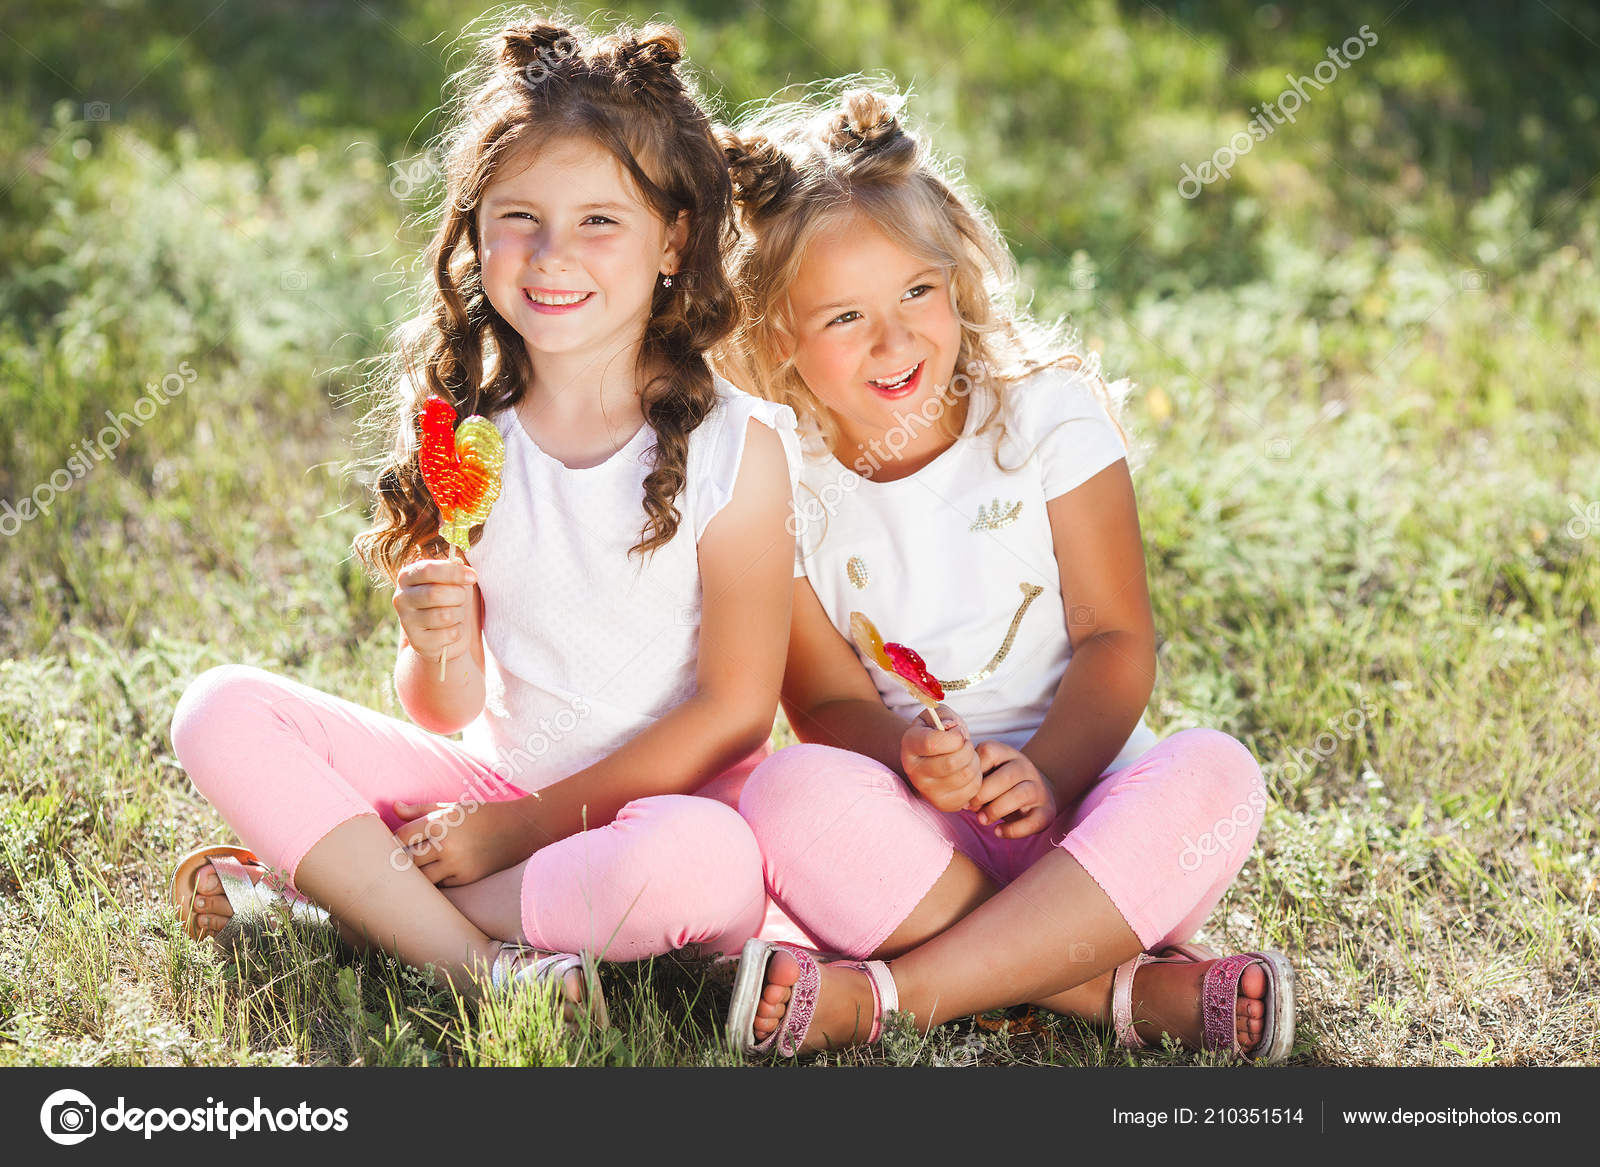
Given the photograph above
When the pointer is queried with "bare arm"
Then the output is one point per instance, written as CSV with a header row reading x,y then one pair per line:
x,y
1109,679
441,706
746,556
827,694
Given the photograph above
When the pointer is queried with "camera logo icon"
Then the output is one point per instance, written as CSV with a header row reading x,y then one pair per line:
x,y
68,1117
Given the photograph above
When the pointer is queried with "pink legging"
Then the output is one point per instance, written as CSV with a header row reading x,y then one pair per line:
x,y
284,764
850,849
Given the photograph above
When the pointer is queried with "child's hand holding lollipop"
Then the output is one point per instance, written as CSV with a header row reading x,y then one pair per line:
x,y
941,766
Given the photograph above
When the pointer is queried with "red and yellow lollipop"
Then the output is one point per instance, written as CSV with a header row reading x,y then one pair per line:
x,y
461,465
901,663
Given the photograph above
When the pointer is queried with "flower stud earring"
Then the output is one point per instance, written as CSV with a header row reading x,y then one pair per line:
x,y
666,281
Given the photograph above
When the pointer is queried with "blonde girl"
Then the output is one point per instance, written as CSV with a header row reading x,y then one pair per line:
x,y
966,487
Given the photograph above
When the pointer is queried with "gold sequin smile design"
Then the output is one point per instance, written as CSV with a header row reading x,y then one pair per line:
x,y
1029,593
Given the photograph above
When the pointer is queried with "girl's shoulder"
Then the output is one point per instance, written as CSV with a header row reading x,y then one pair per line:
x,y
716,447
1059,415
735,406
1041,399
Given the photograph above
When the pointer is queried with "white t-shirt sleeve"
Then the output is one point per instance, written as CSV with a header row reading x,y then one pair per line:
x,y
1060,419
714,479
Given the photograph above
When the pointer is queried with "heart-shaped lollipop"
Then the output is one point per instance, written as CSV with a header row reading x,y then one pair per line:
x,y
462,466
901,663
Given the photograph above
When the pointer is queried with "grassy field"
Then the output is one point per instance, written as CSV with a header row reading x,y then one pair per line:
x,y
1368,423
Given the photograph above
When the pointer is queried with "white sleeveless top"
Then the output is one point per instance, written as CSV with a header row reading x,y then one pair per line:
x,y
583,644
957,561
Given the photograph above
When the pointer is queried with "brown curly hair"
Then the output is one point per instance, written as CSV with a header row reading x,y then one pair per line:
x,y
532,80
798,168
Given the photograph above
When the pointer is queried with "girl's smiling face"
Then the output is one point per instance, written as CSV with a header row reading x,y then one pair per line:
x,y
569,251
875,337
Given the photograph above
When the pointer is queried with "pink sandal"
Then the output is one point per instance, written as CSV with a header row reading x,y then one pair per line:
x,y
786,1040
1219,998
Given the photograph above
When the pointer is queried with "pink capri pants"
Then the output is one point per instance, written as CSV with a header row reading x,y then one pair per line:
x,y
851,849
284,764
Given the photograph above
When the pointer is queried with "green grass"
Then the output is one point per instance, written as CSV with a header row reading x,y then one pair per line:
x,y
1367,414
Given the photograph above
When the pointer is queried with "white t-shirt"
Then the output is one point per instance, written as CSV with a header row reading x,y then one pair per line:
x,y
957,562
585,645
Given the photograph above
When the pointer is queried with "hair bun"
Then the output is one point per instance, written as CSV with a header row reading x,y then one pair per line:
x,y
655,46
540,42
761,173
866,120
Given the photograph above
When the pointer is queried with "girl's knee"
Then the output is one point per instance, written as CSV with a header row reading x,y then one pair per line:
x,y
1221,763
685,829
679,862
209,711
808,783
1231,797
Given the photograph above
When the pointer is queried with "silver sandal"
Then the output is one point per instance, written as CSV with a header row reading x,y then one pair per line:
x,y
517,964
253,901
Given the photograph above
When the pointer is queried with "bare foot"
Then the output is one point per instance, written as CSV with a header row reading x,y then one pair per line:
x,y
1166,999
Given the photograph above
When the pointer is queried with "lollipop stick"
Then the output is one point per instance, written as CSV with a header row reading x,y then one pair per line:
x,y
442,661
933,716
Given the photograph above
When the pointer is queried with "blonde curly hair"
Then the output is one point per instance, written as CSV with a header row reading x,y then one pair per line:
x,y
800,167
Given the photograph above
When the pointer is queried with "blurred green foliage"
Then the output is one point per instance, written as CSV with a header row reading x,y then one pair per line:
x,y
1074,118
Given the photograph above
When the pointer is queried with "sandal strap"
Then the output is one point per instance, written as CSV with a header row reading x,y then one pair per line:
x,y
518,964
885,997
1122,1001
248,899
512,965
787,1038
1219,997
1122,995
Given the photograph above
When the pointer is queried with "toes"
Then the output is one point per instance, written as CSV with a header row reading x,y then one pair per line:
x,y
782,973
782,970
208,894
1253,983
576,993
